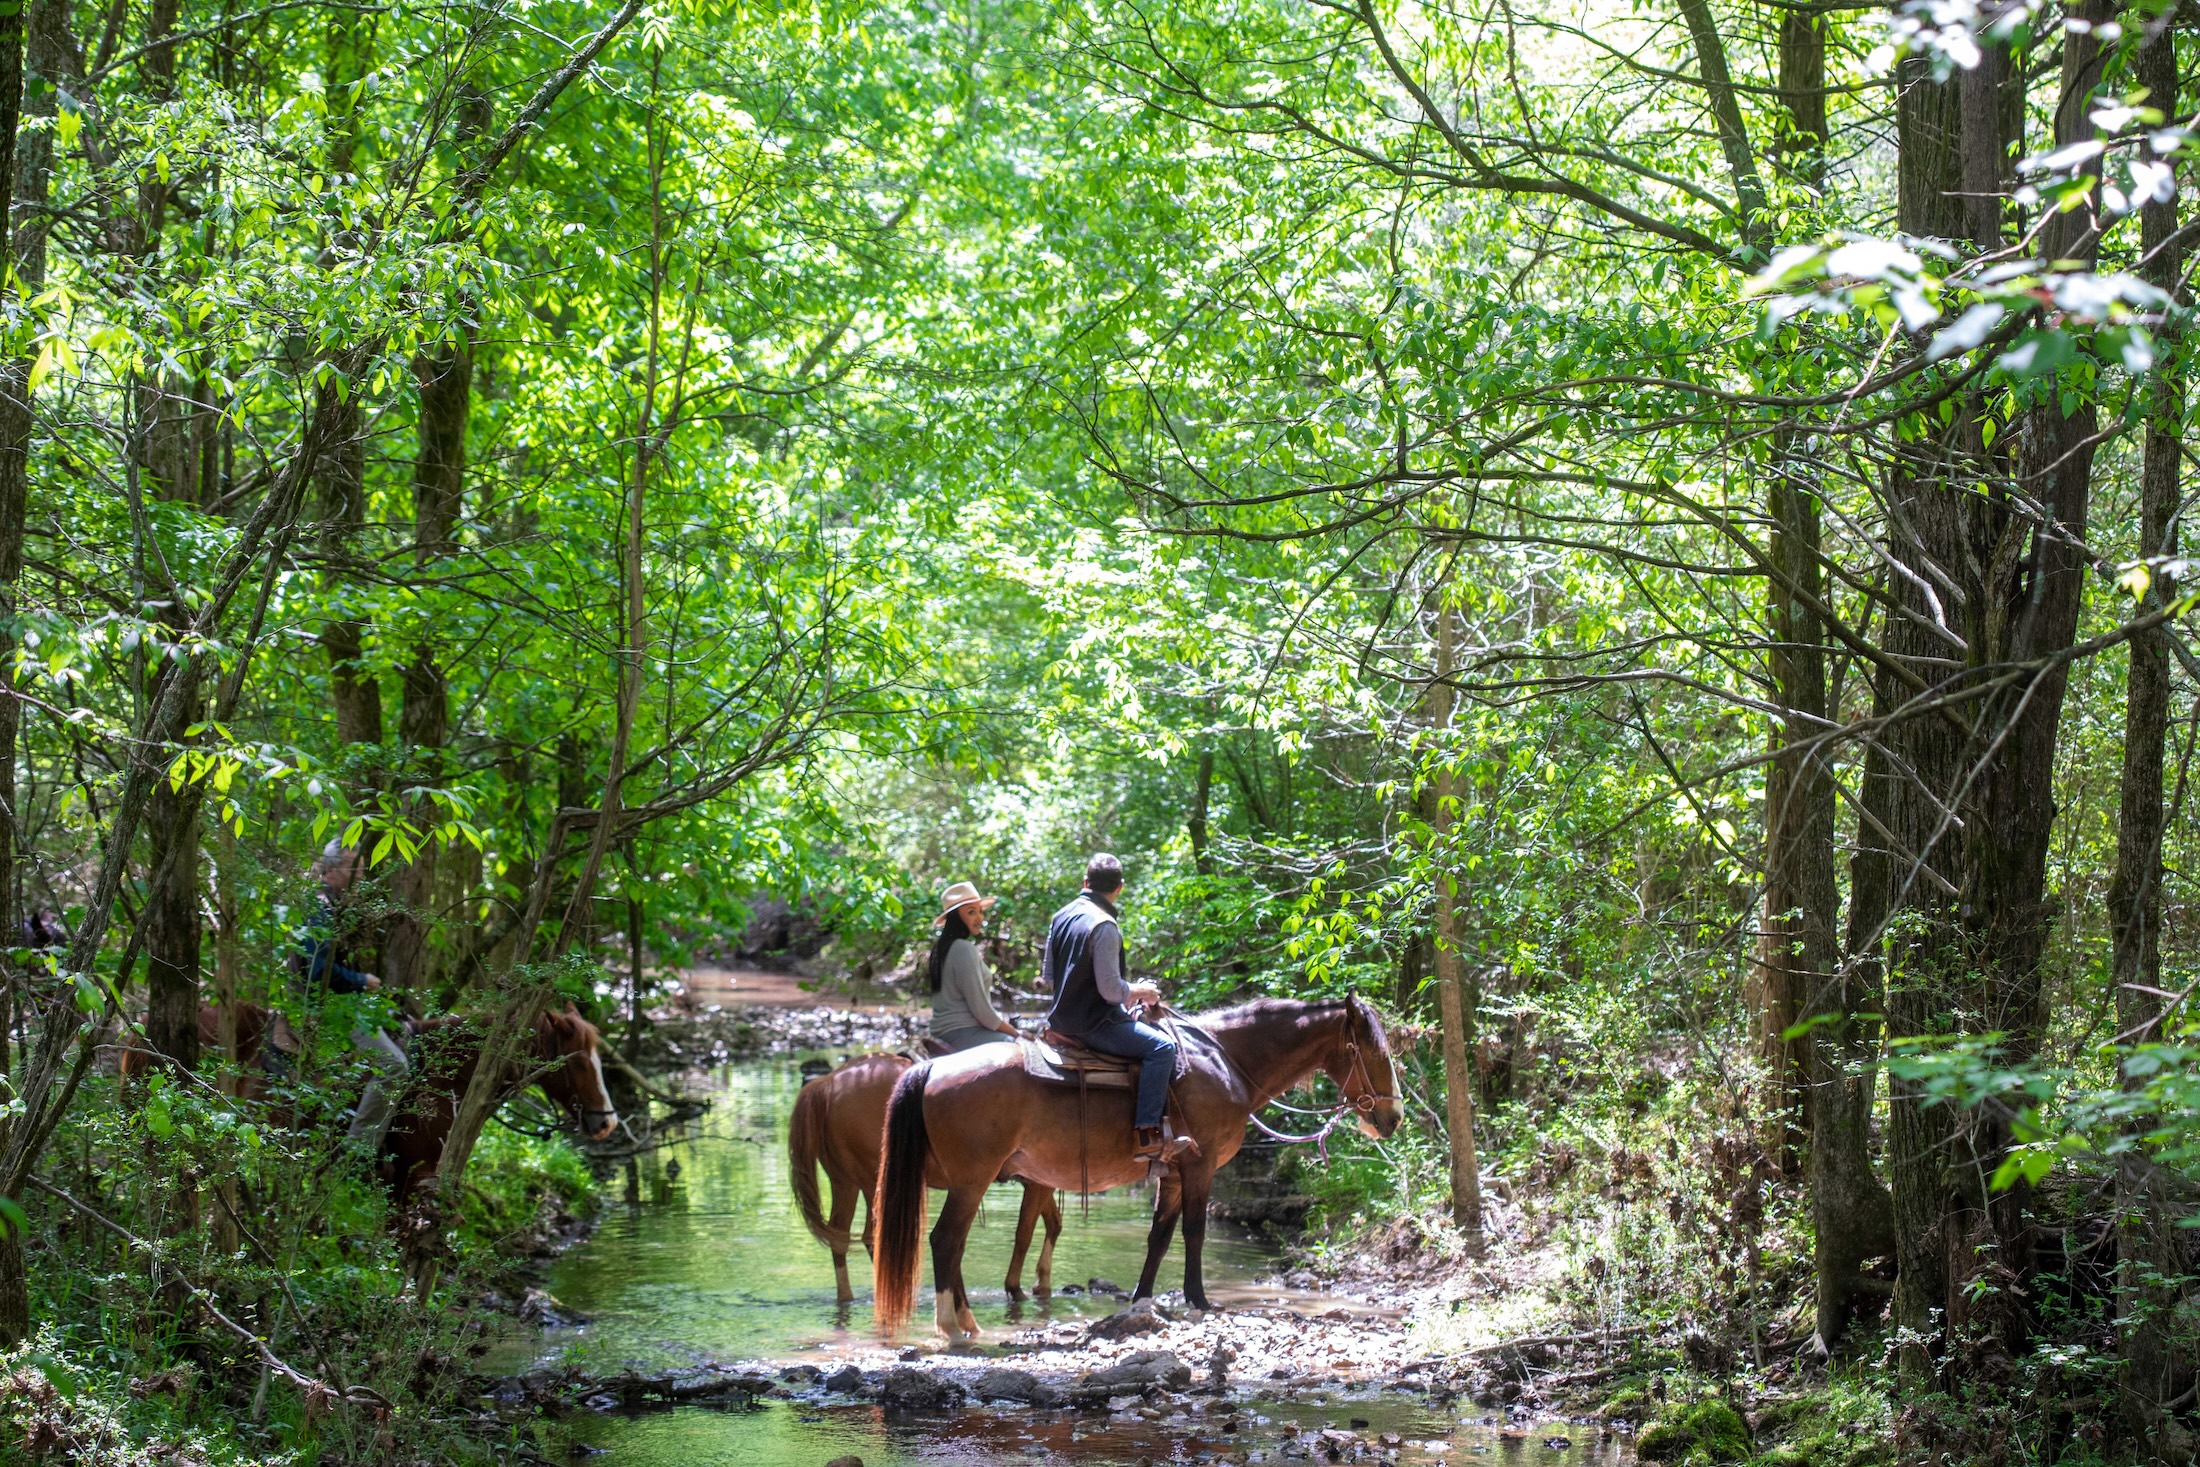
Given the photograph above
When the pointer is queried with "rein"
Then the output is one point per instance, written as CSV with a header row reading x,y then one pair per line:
x,y
1349,1108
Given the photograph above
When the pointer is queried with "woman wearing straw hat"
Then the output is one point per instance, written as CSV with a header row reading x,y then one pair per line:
x,y
962,1011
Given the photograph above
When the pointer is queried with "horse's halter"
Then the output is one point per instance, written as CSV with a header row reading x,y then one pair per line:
x,y
1369,1097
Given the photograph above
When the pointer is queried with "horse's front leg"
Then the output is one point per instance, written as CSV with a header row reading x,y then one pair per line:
x,y
1166,1205
1050,1209
1199,1185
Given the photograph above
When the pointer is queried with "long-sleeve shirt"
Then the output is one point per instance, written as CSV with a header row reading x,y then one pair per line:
x,y
1107,964
963,1001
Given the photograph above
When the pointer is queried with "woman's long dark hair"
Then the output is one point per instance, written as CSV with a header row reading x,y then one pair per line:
x,y
951,931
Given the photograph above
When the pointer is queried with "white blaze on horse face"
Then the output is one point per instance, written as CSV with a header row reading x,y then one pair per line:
x,y
595,1062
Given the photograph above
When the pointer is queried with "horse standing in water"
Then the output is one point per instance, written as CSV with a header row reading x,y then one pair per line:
x,y
838,1122
452,1049
960,1121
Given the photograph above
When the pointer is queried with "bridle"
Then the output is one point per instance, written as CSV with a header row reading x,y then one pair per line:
x,y
1353,1106
1369,1097
585,1112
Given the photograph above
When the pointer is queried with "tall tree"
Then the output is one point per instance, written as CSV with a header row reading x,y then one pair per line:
x,y
2149,1249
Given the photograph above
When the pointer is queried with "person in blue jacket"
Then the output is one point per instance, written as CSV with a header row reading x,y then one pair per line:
x,y
336,871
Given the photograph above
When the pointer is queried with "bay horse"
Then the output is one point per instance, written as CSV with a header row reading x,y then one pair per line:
x,y
960,1121
449,1050
837,1124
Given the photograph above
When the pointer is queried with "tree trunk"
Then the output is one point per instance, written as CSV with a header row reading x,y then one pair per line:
x,y
1989,585
446,379
1809,978
15,438
171,914
2029,605
1923,757
423,726
1454,1013
2148,1243
1195,824
1795,945
228,991
342,484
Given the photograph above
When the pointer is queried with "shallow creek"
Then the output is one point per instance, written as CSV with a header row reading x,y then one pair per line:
x,y
711,1262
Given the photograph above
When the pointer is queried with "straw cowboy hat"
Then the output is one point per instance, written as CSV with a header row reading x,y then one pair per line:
x,y
960,894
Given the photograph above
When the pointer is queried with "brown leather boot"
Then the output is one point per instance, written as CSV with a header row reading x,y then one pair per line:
x,y
1152,1145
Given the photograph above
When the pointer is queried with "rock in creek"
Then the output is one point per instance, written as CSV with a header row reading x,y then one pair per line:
x,y
1002,1384
847,1380
909,1389
540,1308
1142,1318
851,1460
686,1385
1136,1372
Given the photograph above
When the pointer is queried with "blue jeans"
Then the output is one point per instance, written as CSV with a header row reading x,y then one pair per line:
x,y
1133,1040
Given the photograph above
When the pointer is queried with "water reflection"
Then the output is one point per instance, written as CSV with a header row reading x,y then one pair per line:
x,y
1260,1431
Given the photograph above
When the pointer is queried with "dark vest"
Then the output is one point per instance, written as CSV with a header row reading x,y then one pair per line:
x,y
1078,1007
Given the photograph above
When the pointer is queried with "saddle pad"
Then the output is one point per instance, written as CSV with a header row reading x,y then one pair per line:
x,y
1042,1061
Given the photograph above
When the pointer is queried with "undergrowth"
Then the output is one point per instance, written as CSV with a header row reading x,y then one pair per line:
x,y
290,1237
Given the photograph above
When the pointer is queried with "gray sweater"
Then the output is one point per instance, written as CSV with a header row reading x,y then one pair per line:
x,y
963,1001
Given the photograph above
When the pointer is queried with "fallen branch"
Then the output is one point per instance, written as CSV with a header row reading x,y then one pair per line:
x,y
1533,1342
314,1390
620,1063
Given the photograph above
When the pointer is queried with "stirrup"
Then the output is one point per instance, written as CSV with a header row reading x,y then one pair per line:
x,y
1165,1149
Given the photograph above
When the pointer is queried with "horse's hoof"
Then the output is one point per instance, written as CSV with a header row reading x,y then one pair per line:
x,y
1016,1293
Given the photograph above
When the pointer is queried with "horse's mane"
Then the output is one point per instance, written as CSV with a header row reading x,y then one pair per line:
x,y
1260,1010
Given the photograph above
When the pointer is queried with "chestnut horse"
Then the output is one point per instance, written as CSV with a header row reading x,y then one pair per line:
x,y
838,1120
252,1032
446,1053
960,1121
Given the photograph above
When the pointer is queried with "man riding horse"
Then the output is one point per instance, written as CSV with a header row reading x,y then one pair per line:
x,y
1096,1004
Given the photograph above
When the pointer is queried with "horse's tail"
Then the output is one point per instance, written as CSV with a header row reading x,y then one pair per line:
x,y
805,1144
906,1147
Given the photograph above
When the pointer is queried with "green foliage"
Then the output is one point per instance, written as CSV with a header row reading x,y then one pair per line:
x,y
56,1406
1708,1432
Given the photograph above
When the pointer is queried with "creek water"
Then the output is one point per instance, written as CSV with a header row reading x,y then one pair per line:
x,y
711,1262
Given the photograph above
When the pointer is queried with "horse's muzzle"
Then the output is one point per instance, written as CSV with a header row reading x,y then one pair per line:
x,y
610,1123
1383,1120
